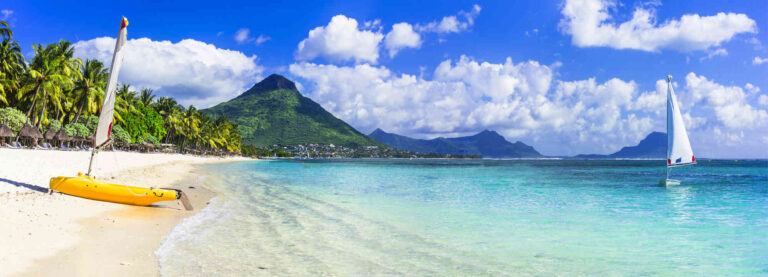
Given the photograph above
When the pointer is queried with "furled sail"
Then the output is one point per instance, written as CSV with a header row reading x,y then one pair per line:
x,y
108,108
678,146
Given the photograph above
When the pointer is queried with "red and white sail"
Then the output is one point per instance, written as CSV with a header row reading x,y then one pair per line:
x,y
108,108
679,150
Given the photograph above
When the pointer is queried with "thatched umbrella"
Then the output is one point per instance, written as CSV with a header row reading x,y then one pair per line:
x,y
5,131
61,135
30,132
90,138
50,134
148,145
77,137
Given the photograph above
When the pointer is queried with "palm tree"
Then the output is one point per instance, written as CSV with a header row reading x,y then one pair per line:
x,y
190,123
146,97
50,70
11,67
89,90
124,92
45,73
5,32
166,106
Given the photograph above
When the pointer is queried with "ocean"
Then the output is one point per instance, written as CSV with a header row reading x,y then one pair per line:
x,y
475,218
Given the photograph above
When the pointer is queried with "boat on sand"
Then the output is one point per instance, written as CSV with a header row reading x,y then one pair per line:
x,y
87,186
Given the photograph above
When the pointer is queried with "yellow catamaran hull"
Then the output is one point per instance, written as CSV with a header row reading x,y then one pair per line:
x,y
88,187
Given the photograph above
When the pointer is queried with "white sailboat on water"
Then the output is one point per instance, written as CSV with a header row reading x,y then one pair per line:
x,y
679,152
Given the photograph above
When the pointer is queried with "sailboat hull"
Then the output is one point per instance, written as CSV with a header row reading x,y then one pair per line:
x,y
669,182
88,187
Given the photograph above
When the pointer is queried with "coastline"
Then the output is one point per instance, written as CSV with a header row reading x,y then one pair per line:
x,y
47,234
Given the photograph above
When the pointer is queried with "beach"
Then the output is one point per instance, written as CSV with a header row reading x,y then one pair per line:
x,y
57,234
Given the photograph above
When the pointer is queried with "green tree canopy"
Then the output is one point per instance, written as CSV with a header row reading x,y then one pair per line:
x,y
14,118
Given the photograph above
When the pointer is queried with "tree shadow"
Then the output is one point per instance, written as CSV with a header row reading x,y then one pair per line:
x,y
25,185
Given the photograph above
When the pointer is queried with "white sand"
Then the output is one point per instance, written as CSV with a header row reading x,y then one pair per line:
x,y
96,238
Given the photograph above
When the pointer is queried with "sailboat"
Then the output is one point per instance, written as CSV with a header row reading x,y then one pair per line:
x,y
87,186
679,152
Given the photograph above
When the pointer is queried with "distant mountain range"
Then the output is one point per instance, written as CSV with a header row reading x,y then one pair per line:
x,y
274,112
654,146
489,144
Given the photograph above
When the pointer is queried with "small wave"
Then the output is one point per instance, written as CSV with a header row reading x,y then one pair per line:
x,y
181,236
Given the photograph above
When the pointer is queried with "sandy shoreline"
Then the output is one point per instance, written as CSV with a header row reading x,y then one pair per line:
x,y
56,234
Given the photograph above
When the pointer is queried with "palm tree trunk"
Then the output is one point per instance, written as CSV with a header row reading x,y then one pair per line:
x,y
34,98
42,113
31,107
79,110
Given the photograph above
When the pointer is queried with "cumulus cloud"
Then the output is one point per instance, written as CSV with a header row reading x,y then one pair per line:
x,y
524,102
453,23
401,36
341,40
759,60
191,71
243,35
465,96
588,22
730,105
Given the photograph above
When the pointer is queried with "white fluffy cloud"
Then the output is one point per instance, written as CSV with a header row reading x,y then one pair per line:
x,y
466,96
453,23
588,22
191,71
524,102
401,36
341,40
759,60
730,105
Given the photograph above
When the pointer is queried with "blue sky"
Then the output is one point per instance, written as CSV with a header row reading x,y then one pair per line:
x,y
559,75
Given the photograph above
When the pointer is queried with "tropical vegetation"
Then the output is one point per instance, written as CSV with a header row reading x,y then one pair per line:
x,y
55,90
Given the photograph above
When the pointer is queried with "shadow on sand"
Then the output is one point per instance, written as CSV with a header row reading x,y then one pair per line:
x,y
25,185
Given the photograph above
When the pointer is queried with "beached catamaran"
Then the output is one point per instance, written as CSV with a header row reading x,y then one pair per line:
x,y
87,186
679,152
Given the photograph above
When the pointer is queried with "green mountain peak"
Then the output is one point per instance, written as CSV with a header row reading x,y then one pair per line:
x,y
273,82
274,112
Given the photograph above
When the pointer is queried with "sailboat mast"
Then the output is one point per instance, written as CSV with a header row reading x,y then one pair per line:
x,y
104,128
669,83
90,164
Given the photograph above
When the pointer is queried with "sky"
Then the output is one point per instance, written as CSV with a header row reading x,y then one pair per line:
x,y
567,77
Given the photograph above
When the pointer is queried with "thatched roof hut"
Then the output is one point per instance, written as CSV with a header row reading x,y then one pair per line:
x,y
77,137
30,132
6,131
50,134
62,135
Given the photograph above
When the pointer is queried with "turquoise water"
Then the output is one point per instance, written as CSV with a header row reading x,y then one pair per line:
x,y
474,218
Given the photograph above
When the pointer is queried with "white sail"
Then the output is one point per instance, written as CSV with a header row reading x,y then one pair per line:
x,y
108,108
678,146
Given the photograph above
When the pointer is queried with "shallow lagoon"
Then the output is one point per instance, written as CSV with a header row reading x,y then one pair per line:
x,y
476,217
